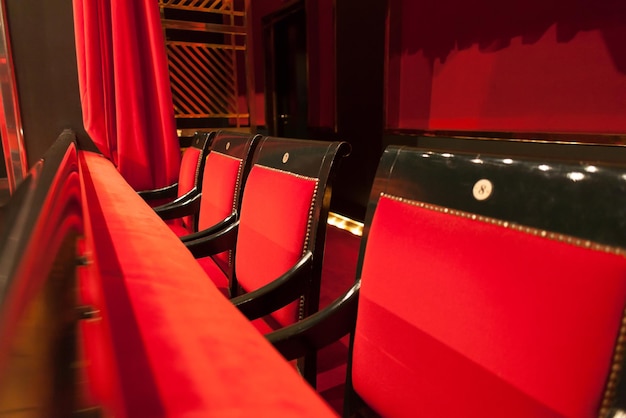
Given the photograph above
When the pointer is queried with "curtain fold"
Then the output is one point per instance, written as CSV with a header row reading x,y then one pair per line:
x,y
125,89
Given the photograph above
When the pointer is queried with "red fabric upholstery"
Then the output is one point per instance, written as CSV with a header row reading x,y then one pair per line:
x,y
96,338
125,88
188,170
219,190
216,274
187,179
33,319
489,321
177,227
273,229
180,347
517,70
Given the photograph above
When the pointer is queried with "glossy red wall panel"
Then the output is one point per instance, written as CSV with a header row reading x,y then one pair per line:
x,y
533,66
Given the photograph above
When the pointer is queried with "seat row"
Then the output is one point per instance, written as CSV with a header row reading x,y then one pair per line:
x,y
253,212
499,281
478,275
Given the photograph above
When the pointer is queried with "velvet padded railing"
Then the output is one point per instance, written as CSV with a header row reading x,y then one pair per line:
x,y
104,312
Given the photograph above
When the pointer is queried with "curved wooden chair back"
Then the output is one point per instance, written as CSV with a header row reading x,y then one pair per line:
x,y
491,286
225,173
283,217
189,181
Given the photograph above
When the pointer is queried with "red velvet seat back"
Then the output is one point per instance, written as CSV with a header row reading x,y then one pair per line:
x,y
188,170
283,217
219,192
225,172
191,168
475,315
274,226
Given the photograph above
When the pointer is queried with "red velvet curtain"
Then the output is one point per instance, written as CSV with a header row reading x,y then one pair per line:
x,y
125,91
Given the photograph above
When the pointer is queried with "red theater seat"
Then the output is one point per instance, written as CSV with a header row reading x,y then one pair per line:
x,y
278,241
487,287
189,179
218,205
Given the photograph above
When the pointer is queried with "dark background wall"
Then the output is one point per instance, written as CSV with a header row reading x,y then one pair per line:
x,y
360,55
381,67
548,70
346,60
42,40
540,66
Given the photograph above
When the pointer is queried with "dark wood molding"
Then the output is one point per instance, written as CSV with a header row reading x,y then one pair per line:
x,y
578,137
608,149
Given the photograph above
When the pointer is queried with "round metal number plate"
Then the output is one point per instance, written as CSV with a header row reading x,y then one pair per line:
x,y
482,189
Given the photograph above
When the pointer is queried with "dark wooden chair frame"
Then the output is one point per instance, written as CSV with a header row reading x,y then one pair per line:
x,y
309,158
202,141
235,144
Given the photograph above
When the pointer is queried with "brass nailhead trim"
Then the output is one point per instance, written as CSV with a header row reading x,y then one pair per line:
x,y
310,219
307,239
610,391
300,176
235,198
237,187
198,165
511,225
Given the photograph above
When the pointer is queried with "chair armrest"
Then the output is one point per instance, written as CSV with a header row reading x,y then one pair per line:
x,y
180,207
320,329
220,241
166,192
278,293
191,194
212,230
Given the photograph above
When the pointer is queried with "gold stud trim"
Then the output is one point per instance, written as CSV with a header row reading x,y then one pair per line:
x,y
514,226
236,194
198,166
231,260
300,176
309,222
610,391
307,238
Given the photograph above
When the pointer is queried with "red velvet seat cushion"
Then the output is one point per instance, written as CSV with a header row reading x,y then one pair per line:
x,y
216,274
481,320
177,227
274,226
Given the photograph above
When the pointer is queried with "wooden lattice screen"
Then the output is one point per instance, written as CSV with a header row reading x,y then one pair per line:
x,y
206,48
